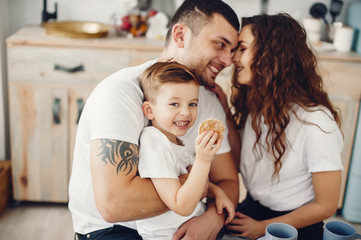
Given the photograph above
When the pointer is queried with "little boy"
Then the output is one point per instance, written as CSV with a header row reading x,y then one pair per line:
x,y
170,103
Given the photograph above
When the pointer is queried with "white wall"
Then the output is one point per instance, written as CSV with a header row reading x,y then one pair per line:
x,y
23,12
300,9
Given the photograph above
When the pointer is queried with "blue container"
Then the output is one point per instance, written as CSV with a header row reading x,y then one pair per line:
x,y
351,210
354,20
355,165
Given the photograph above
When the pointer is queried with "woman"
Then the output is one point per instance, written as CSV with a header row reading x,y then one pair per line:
x,y
290,155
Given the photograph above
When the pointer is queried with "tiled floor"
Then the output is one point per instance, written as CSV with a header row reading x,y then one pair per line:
x,y
38,221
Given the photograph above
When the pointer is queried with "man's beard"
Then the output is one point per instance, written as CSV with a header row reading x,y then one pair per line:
x,y
201,80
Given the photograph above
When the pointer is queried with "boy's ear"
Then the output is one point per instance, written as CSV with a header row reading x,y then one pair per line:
x,y
147,110
178,34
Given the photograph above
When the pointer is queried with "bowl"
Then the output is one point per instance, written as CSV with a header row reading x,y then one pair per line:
x,y
77,29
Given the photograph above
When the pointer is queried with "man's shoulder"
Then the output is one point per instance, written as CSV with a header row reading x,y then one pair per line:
x,y
208,99
130,73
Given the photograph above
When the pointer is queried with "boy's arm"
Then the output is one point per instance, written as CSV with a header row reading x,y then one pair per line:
x,y
208,225
120,194
182,199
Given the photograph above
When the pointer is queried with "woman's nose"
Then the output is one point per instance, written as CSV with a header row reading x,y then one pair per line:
x,y
235,57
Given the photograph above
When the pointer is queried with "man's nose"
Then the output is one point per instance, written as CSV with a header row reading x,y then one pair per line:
x,y
226,58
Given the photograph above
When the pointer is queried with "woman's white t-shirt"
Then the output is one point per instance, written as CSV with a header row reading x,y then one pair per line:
x,y
314,144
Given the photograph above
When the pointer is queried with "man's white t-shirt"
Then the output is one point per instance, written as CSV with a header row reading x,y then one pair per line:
x,y
113,111
313,145
160,158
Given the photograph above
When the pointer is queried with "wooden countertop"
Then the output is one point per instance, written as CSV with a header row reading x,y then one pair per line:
x,y
337,56
36,36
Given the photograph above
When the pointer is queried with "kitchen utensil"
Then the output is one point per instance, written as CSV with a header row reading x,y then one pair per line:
x,y
319,10
335,9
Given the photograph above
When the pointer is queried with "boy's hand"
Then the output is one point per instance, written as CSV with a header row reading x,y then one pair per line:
x,y
207,146
223,202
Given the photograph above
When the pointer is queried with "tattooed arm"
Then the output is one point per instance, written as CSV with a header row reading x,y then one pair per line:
x,y
120,194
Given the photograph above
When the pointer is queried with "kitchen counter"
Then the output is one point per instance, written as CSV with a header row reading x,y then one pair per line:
x,y
36,36
337,56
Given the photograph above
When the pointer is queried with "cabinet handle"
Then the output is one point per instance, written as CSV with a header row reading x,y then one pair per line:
x,y
80,103
56,110
75,69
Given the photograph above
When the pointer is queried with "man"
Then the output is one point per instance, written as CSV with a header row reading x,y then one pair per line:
x,y
105,192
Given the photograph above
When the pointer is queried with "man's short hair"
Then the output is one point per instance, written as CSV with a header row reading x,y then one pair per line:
x,y
196,13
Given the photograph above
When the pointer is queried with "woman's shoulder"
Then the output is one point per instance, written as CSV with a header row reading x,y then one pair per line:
x,y
318,116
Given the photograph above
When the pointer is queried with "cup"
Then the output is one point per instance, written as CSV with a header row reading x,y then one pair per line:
x,y
342,39
280,231
337,230
313,28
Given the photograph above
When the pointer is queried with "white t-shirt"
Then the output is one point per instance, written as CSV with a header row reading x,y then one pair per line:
x,y
310,149
160,158
113,111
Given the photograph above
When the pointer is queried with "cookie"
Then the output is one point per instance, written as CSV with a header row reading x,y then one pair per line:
x,y
212,124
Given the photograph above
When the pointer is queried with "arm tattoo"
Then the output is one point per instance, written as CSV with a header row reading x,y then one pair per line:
x,y
126,152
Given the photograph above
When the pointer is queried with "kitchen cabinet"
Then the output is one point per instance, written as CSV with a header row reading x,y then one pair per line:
x,y
49,80
341,73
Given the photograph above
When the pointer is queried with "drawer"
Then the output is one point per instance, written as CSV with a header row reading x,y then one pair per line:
x,y
51,65
139,57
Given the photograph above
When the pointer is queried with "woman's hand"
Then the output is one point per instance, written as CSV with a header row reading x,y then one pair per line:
x,y
244,226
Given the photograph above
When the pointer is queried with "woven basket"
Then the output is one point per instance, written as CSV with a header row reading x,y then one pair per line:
x,y
5,184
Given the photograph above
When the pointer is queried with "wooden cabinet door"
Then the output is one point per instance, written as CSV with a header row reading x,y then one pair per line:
x,y
77,98
39,142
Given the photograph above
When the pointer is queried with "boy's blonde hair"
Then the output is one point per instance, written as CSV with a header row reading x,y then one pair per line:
x,y
164,72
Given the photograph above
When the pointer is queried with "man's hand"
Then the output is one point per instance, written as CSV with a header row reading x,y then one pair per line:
x,y
204,227
247,227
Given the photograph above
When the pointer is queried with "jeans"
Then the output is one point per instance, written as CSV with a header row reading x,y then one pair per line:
x,y
259,212
116,232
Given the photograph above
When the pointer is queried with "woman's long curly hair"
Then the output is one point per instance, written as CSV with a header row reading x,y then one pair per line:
x,y
284,74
